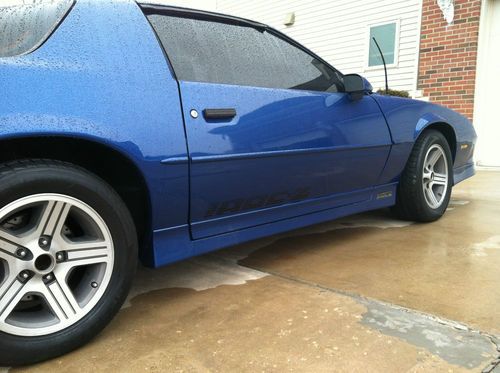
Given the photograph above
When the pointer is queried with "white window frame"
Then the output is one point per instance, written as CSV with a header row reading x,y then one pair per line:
x,y
396,44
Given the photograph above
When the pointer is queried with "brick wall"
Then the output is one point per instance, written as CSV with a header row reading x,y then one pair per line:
x,y
448,54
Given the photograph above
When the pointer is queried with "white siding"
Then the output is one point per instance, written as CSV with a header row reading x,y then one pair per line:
x,y
337,30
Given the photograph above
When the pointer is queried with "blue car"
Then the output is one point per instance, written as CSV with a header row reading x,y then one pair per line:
x,y
136,131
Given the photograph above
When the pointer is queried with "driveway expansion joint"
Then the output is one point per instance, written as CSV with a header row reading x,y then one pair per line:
x,y
456,357
494,366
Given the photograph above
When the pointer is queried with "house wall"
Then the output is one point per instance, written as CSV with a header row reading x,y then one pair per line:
x,y
487,152
338,31
448,55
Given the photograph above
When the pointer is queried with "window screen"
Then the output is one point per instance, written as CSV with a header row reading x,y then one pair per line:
x,y
386,39
215,52
24,27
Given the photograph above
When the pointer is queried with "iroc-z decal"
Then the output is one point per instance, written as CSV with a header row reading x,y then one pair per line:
x,y
245,204
384,195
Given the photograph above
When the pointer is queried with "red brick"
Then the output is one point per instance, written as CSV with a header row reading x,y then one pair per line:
x,y
448,55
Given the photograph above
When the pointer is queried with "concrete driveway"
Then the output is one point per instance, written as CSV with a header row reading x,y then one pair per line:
x,y
366,293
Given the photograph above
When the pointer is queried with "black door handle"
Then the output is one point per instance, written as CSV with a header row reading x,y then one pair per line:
x,y
219,113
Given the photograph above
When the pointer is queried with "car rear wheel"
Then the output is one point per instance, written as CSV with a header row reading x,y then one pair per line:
x,y
425,187
68,251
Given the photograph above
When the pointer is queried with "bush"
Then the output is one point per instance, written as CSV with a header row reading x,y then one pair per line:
x,y
393,92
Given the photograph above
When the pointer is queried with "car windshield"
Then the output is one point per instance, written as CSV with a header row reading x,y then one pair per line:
x,y
24,27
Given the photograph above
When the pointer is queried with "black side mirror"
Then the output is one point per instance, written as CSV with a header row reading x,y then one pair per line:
x,y
354,84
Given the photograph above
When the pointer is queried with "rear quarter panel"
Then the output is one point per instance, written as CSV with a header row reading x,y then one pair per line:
x,y
102,76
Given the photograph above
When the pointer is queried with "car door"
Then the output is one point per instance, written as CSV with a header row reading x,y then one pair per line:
x,y
270,133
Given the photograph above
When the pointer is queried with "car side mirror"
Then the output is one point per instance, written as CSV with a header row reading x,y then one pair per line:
x,y
356,86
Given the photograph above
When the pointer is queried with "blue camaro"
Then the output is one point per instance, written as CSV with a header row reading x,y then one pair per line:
x,y
143,131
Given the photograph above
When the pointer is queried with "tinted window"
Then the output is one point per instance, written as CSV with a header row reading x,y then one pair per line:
x,y
23,28
214,52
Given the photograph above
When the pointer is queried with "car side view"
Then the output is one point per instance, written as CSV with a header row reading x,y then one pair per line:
x,y
132,131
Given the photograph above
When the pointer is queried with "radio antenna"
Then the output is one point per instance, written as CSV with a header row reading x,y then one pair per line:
x,y
385,66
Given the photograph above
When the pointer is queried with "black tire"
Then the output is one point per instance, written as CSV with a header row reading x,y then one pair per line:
x,y
29,177
411,203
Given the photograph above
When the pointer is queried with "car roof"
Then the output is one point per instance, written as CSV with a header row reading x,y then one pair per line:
x,y
200,14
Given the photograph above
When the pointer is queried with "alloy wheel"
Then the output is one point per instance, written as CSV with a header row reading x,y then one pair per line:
x,y
56,261
435,176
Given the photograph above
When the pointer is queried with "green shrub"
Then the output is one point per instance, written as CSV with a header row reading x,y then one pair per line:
x,y
393,92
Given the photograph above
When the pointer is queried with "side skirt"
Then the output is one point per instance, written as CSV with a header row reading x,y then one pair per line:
x,y
463,172
174,244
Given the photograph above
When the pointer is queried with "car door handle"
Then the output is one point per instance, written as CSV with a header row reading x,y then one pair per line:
x,y
219,113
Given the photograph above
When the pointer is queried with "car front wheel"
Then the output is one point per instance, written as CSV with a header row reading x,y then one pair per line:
x,y
68,251
425,186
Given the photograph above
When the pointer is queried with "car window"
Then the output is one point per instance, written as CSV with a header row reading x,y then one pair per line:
x,y
216,52
24,27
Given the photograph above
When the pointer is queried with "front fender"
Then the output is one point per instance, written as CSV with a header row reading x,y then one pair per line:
x,y
408,118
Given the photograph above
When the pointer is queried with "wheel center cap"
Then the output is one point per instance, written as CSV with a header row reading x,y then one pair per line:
x,y
432,176
45,263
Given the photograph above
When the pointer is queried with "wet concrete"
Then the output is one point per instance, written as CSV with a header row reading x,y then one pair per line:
x,y
449,268
270,324
367,293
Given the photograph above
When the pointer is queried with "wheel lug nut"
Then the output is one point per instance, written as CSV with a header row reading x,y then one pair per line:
x,y
24,276
22,253
94,285
60,257
48,278
44,242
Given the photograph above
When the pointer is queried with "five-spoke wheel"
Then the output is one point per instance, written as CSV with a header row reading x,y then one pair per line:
x,y
425,187
68,253
57,257
435,176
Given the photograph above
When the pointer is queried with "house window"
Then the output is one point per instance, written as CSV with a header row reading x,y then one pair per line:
x,y
386,38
